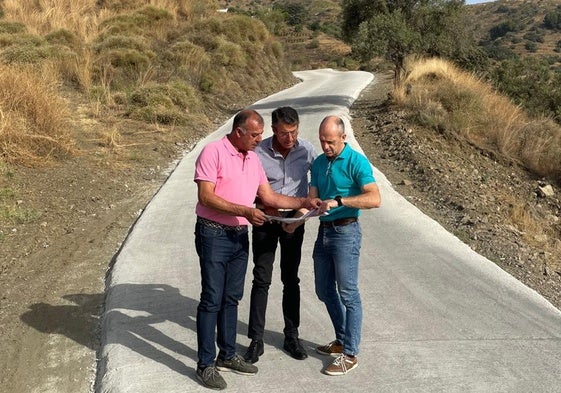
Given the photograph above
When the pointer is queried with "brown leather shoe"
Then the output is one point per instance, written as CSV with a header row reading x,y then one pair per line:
x,y
342,365
334,348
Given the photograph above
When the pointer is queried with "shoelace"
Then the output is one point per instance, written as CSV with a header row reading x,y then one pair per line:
x,y
211,373
341,361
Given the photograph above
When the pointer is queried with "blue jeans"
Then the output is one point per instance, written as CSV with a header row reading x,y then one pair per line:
x,y
223,256
336,258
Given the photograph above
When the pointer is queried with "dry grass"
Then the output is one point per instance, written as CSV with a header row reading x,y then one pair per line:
x,y
456,103
33,117
531,227
161,62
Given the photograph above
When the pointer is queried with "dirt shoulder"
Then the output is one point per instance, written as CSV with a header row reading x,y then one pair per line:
x,y
53,268
490,203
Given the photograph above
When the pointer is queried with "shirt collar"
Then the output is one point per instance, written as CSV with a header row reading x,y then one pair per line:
x,y
268,144
230,147
345,153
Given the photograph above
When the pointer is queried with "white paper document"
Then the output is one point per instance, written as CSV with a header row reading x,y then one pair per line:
x,y
287,220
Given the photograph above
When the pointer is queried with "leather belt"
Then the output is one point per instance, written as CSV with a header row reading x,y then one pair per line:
x,y
338,223
214,224
282,212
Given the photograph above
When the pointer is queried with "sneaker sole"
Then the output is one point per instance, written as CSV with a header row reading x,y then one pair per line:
x,y
208,386
332,354
340,372
231,370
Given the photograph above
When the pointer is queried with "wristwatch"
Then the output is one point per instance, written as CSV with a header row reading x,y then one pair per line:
x,y
339,201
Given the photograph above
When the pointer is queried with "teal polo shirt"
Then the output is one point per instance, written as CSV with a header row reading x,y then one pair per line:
x,y
345,176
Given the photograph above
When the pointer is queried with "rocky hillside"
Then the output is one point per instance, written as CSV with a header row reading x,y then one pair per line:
x,y
473,193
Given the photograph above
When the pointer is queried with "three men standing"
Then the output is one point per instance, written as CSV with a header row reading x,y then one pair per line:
x,y
229,176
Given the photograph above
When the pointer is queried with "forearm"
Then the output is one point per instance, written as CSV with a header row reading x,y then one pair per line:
x,y
280,201
223,206
361,201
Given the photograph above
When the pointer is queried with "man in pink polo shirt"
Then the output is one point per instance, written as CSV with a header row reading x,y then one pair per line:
x,y
229,176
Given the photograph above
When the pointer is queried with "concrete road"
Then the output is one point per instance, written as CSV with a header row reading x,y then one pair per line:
x,y
438,317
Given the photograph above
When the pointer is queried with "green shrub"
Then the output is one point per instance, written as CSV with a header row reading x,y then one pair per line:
x,y
207,83
531,46
12,27
122,59
502,29
137,43
187,59
63,37
143,19
240,28
533,36
167,104
277,49
229,54
25,54
23,39
552,20
129,58
313,44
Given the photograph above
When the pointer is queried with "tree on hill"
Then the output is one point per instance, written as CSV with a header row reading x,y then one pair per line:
x,y
552,20
395,29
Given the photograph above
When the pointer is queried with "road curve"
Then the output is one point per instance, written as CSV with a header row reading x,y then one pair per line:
x,y
438,317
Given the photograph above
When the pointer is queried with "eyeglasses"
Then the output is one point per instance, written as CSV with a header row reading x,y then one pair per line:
x,y
285,135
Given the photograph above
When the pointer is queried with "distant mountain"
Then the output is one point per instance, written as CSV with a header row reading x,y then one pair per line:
x,y
511,28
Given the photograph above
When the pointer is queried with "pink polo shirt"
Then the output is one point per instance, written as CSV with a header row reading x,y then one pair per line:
x,y
236,178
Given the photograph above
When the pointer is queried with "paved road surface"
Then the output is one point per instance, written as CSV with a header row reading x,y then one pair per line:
x,y
437,316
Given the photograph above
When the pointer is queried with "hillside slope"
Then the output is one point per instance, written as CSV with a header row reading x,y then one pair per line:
x,y
464,189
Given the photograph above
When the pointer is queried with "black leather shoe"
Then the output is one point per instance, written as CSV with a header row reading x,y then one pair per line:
x,y
254,350
295,348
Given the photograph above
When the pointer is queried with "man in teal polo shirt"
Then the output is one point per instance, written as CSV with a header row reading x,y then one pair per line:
x,y
342,178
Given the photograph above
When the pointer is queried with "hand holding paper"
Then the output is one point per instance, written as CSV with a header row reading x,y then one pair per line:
x,y
288,220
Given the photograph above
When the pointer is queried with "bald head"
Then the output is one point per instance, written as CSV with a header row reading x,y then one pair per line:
x,y
332,123
332,136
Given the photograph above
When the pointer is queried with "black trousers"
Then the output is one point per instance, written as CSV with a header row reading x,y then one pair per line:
x,y
264,244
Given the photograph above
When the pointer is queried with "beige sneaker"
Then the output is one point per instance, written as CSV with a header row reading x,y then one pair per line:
x,y
334,348
342,365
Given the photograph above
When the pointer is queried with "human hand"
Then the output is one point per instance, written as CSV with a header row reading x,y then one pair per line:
x,y
312,203
290,227
271,211
327,205
256,217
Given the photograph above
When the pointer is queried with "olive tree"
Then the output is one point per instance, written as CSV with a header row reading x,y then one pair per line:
x,y
395,29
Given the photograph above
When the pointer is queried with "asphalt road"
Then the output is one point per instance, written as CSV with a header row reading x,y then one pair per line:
x,y
438,317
